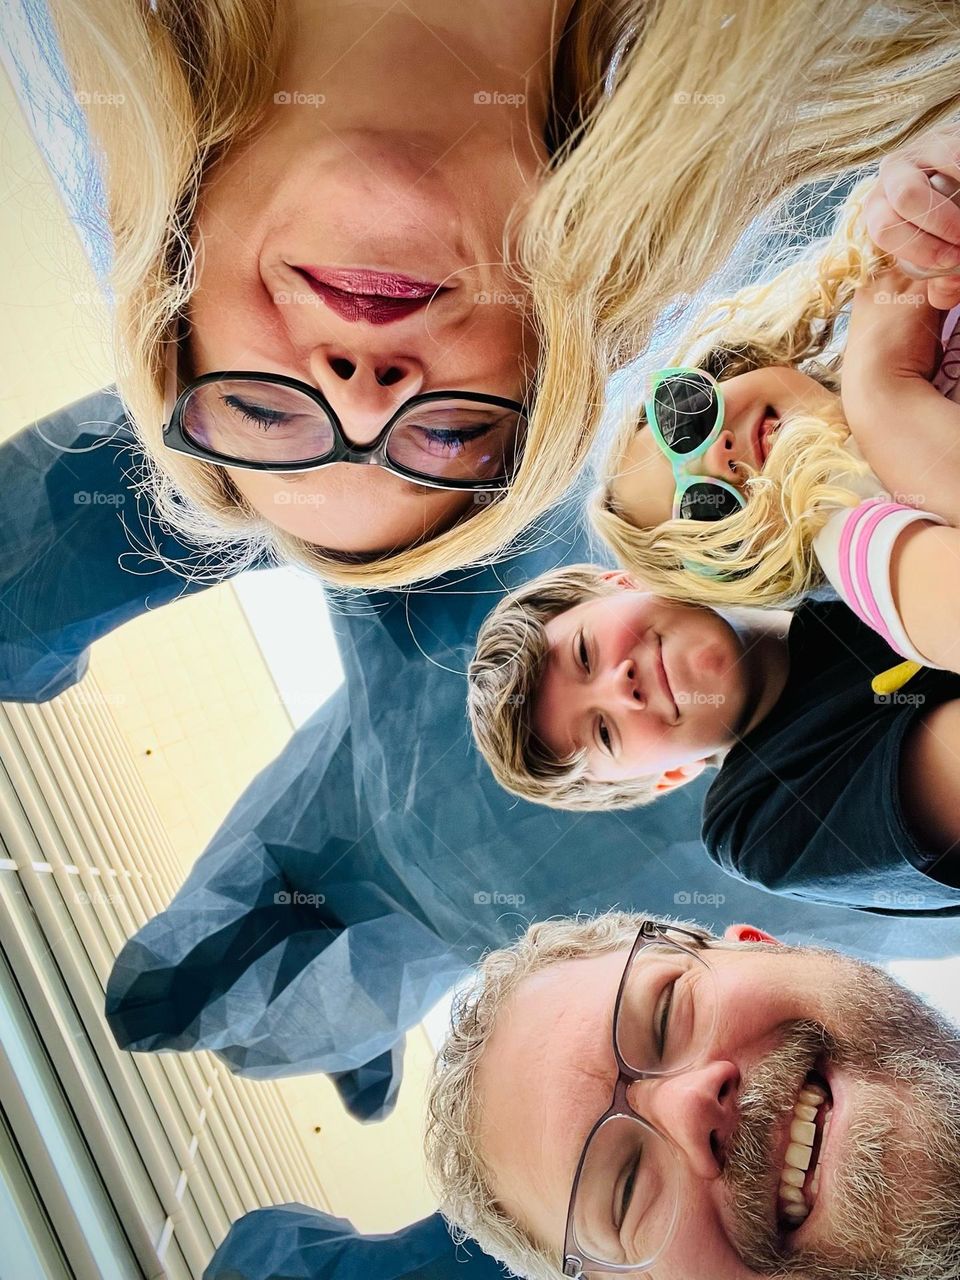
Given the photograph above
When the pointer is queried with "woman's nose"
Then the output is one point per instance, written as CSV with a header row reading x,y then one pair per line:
x,y
364,389
696,1109
721,458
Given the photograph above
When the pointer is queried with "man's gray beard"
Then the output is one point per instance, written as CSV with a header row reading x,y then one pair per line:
x,y
877,1231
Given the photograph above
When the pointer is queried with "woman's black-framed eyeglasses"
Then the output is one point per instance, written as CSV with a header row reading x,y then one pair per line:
x,y
625,1200
460,440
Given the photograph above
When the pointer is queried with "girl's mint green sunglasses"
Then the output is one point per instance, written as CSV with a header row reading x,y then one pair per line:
x,y
685,412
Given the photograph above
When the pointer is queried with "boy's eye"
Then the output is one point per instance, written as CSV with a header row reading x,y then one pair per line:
x,y
582,653
603,733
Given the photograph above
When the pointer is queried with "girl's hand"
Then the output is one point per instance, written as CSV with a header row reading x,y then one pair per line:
x,y
894,333
906,430
944,292
905,215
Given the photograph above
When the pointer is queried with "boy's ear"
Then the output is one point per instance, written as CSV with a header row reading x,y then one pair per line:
x,y
747,933
620,578
674,778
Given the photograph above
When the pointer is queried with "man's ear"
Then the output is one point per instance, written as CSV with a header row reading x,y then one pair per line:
x,y
674,778
747,933
621,579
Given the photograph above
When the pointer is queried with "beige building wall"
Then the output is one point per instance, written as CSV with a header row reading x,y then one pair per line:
x,y
187,685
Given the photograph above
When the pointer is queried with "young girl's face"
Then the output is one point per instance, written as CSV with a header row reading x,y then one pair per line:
x,y
754,404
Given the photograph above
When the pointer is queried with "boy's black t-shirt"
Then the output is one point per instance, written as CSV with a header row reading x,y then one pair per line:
x,y
808,803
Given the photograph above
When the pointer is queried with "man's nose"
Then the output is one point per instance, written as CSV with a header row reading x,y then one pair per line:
x,y
696,1109
364,388
719,458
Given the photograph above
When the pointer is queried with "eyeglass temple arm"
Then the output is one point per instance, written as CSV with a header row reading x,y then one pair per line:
x,y
171,380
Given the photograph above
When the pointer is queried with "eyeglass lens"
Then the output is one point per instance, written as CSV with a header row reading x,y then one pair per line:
x,y
256,422
268,422
456,440
686,407
628,1195
705,501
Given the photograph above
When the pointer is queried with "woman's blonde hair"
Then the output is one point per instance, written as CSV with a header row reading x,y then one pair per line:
x,y
710,116
762,555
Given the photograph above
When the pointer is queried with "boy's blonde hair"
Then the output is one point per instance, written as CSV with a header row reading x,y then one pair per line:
x,y
502,683
666,142
763,554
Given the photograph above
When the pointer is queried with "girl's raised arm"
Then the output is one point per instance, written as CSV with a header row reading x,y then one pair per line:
x,y
906,429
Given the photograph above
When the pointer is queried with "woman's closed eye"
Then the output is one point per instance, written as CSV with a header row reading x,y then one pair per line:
x,y
451,441
259,415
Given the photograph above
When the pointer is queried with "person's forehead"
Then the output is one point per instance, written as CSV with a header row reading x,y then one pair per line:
x,y
545,1078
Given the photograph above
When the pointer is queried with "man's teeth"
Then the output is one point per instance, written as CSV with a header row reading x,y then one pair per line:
x,y
794,1204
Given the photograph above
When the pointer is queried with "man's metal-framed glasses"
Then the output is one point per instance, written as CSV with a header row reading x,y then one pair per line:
x,y
625,1199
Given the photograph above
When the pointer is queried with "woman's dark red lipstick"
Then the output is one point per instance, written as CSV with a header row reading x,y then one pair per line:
x,y
376,297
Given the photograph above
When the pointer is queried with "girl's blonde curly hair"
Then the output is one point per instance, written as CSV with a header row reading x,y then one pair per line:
x,y
762,555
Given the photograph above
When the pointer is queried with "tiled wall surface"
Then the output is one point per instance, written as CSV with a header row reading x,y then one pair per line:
x,y
187,685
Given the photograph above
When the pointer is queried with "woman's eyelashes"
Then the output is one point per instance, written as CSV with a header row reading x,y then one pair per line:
x,y
261,417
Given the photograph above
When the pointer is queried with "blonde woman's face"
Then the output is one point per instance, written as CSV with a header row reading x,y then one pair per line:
x,y
754,405
353,264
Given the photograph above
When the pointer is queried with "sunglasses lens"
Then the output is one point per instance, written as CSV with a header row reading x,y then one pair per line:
x,y
705,501
687,409
458,440
255,421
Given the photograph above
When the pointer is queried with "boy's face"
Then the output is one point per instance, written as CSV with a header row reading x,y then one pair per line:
x,y
645,686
